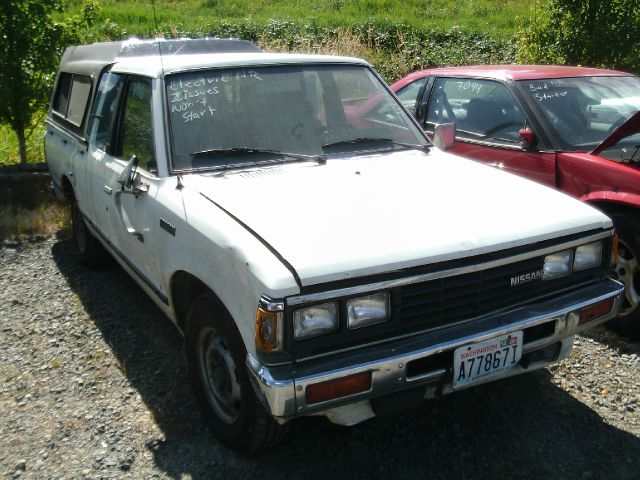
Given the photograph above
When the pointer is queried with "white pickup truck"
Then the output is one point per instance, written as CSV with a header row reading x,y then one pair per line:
x,y
318,254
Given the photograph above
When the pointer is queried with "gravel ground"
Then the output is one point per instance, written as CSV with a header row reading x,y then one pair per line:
x,y
93,385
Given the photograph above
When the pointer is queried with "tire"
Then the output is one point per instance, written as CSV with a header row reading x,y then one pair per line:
x,y
89,250
628,272
216,358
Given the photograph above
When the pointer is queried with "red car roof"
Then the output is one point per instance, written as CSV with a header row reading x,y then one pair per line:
x,y
518,72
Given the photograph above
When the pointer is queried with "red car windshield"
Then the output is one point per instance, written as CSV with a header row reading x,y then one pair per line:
x,y
583,111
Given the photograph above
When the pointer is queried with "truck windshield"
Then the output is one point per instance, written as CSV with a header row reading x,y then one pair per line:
x,y
233,117
583,111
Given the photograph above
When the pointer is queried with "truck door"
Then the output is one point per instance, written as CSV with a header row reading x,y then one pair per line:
x,y
126,215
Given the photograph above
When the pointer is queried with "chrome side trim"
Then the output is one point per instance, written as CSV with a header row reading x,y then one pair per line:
x,y
282,388
428,377
270,305
359,289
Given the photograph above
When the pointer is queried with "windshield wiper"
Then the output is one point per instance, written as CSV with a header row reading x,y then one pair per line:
x,y
250,151
374,141
243,151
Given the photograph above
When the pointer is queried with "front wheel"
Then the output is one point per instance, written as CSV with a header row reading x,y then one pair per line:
x,y
216,361
626,270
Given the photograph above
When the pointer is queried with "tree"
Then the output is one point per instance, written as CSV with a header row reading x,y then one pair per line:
x,y
31,44
29,51
583,32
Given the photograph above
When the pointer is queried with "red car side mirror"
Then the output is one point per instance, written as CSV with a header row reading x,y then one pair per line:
x,y
526,138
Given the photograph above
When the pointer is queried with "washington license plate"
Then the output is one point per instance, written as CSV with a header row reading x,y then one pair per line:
x,y
477,361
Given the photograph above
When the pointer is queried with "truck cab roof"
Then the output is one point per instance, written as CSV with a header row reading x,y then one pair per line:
x,y
158,56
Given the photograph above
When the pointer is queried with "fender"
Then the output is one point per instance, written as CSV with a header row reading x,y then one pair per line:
x,y
623,198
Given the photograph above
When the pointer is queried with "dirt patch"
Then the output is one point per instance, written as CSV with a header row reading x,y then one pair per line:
x,y
27,203
28,187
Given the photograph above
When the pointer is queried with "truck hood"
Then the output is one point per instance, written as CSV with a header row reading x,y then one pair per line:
x,y
379,213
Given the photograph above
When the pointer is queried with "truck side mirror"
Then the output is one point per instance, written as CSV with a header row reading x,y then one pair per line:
x,y
128,175
444,135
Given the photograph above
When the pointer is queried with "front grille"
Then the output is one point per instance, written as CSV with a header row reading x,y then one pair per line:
x,y
444,301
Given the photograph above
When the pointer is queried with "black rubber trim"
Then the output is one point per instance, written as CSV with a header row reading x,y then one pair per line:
x,y
163,298
277,254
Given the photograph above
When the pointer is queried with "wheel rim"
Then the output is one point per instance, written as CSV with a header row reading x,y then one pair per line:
x,y
628,273
219,376
79,230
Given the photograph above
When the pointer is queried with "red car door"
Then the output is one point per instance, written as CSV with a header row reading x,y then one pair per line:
x,y
488,119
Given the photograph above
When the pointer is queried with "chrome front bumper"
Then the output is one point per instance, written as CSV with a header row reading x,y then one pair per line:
x,y
423,360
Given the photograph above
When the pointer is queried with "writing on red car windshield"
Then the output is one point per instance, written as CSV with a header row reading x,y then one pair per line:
x,y
583,111
541,97
470,85
545,85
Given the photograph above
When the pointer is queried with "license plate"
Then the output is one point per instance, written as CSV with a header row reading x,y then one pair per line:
x,y
481,360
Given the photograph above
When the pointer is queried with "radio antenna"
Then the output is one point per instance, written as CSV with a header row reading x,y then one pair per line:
x,y
155,19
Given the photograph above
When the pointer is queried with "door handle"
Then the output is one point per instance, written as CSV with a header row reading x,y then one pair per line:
x,y
107,189
125,219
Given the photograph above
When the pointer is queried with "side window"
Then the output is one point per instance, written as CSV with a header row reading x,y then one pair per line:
x,y
105,111
136,135
482,110
70,99
61,98
408,94
80,89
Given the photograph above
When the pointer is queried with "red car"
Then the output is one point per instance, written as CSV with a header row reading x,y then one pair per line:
x,y
575,129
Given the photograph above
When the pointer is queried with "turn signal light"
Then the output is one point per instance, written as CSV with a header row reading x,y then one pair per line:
x,y
266,331
614,257
341,387
595,311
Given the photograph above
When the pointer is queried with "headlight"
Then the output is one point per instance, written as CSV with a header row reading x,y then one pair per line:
x,y
313,321
588,256
557,265
367,310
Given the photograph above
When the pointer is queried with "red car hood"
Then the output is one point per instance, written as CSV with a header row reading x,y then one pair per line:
x,y
629,127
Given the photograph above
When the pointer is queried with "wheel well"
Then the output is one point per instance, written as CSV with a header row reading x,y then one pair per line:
x,y
185,288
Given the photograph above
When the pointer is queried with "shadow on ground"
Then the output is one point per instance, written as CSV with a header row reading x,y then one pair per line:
x,y
622,345
519,428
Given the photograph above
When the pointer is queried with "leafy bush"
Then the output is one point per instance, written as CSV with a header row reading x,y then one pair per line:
x,y
394,48
580,32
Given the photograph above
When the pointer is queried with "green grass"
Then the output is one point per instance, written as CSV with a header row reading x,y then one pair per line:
x,y
9,154
497,17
